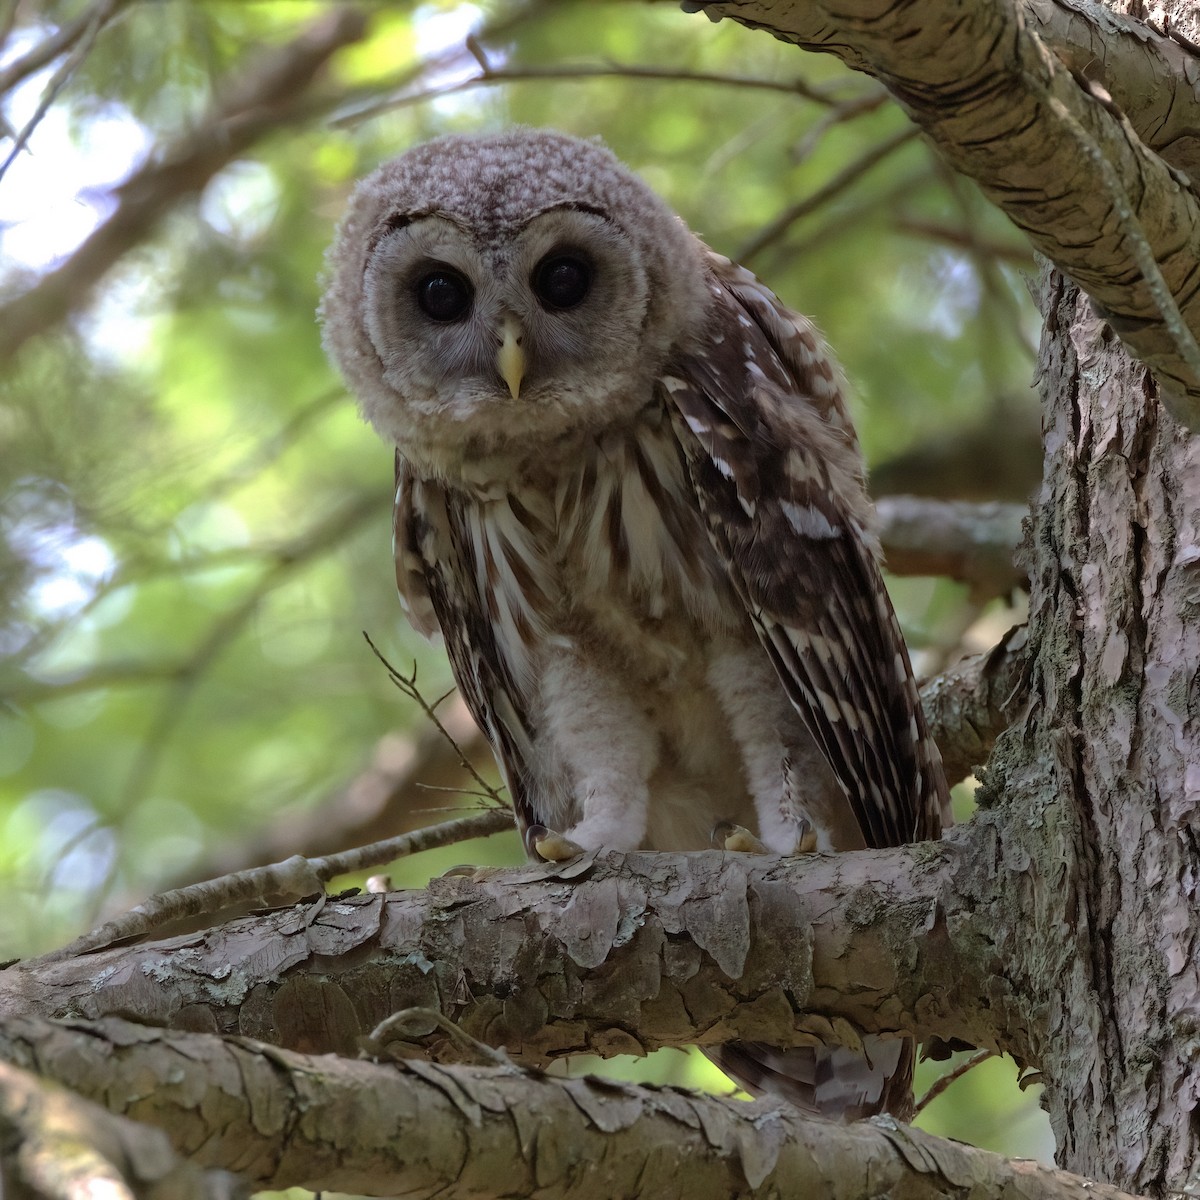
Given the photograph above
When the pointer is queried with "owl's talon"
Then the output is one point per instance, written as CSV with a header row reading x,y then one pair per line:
x,y
551,845
737,838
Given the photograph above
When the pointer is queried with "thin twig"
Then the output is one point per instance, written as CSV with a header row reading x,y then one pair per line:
x,y
1143,254
453,791
479,1052
408,685
1017,254
288,880
493,77
851,217
266,98
839,183
839,114
59,42
940,1085
57,82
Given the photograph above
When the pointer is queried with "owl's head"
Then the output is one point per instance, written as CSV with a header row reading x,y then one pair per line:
x,y
497,292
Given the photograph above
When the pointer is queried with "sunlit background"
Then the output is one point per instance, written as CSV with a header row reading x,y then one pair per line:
x,y
194,523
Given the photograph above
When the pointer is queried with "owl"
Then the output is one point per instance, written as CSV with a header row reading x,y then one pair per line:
x,y
630,498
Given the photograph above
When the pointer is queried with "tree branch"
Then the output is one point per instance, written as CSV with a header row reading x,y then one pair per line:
x,y
1047,145
287,1119
266,98
55,1144
606,954
290,879
969,706
62,40
972,543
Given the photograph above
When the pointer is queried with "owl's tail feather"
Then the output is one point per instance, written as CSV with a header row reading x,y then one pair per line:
x,y
829,1081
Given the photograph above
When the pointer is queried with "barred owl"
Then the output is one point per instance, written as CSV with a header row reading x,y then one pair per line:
x,y
629,496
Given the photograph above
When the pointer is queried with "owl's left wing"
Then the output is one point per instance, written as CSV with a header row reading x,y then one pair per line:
x,y
758,408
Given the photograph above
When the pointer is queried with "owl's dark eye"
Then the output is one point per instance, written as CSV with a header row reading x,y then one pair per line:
x,y
562,280
444,295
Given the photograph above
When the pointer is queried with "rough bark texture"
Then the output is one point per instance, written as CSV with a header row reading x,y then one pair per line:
x,y
1047,144
610,954
1101,782
475,1132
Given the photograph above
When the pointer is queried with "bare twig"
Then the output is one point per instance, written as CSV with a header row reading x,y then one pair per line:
x,y
493,77
282,882
384,800
1016,254
264,99
57,82
86,25
939,1085
1139,245
849,218
839,114
420,1020
845,178
408,685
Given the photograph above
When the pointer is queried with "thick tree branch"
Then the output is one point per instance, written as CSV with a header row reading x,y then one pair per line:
x,y
453,1131
1048,146
56,1145
1150,75
972,543
606,954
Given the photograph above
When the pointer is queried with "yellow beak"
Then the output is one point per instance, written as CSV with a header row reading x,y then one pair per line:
x,y
510,361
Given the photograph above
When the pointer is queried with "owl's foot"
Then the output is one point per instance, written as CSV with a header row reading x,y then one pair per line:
x,y
550,845
737,838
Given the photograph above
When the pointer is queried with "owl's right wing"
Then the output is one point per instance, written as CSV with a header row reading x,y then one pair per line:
x,y
437,579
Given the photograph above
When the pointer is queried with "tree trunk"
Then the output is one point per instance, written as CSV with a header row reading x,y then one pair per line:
x,y
1099,781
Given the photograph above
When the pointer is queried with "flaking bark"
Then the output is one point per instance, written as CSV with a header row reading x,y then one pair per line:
x,y
1100,779
469,1132
1048,145
607,955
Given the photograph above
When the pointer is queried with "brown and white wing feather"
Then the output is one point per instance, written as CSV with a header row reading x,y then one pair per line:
x,y
759,409
438,580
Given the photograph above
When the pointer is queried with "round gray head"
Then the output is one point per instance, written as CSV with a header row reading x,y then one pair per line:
x,y
488,292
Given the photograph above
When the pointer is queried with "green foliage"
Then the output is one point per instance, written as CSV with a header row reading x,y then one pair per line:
x,y
195,524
